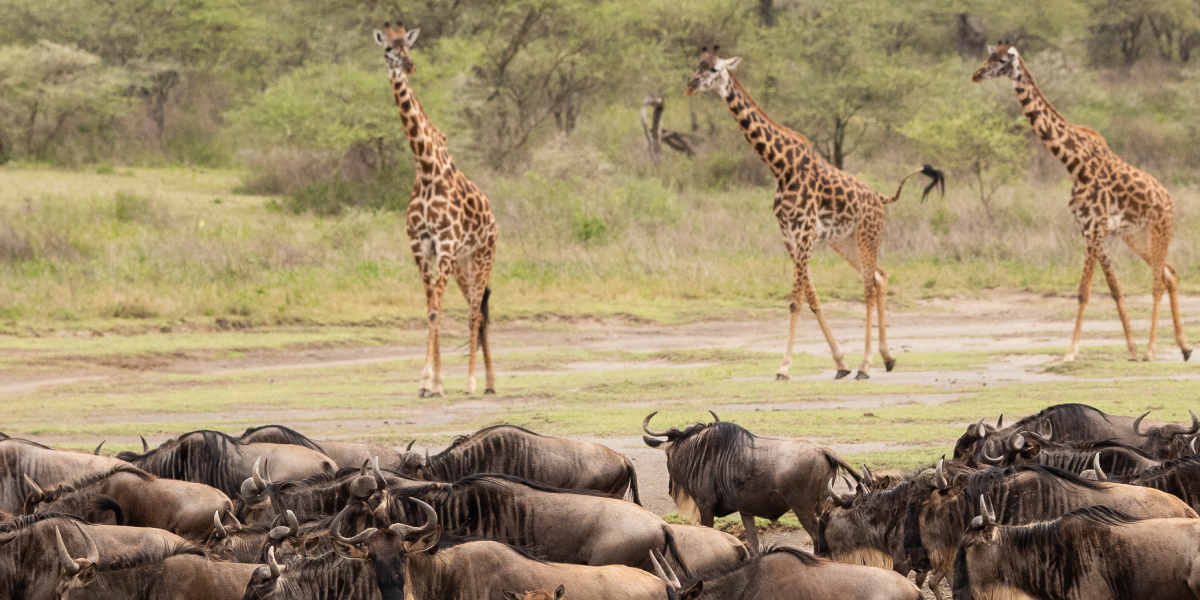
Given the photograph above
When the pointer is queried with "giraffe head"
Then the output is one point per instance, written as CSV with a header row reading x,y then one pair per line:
x,y
712,73
396,42
1002,61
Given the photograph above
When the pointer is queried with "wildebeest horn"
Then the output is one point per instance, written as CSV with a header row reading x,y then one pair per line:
x,y
977,428
35,491
658,570
145,446
259,484
867,472
646,426
666,565
1037,436
69,566
274,566
218,527
1174,430
717,419
1137,424
430,522
292,529
1000,422
362,471
1192,445
93,553
1049,429
379,478
336,534
849,485
410,445
1100,476
832,492
939,474
97,450
233,517
1017,441
991,460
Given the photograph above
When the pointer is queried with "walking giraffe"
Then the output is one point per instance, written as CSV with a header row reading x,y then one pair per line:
x,y
450,225
1110,197
814,202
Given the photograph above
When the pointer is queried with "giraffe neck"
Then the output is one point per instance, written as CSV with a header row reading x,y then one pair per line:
x,y
1075,146
787,153
427,142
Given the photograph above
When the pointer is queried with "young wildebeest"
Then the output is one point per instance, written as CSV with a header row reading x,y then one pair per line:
x,y
720,468
557,594
413,562
1094,553
511,450
215,459
567,526
46,467
345,454
940,509
136,499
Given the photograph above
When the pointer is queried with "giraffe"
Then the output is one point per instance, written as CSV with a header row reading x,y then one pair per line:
x,y
1110,197
814,202
450,224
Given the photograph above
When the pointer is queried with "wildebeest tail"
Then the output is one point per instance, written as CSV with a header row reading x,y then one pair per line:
x,y
685,574
633,490
483,310
836,461
101,504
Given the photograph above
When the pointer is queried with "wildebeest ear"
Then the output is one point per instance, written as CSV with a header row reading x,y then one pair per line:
x,y
350,551
427,540
693,592
86,575
560,592
653,443
311,543
512,595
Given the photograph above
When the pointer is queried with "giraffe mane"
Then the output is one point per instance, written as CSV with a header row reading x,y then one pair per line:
x,y
762,113
1092,132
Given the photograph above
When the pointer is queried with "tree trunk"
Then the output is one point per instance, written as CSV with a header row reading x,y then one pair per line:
x,y
653,128
766,12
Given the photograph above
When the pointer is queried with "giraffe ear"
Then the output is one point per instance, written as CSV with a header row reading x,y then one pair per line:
x,y
411,37
379,39
991,49
730,64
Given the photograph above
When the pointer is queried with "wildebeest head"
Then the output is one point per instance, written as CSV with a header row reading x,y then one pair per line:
x,y
388,548
1168,441
936,484
413,464
969,444
557,594
673,434
864,528
75,572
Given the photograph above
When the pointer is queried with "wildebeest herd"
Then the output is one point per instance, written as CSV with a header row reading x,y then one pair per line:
x,y
1068,503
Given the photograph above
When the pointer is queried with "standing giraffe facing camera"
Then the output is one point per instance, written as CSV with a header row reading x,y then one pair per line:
x,y
814,202
450,224
1110,198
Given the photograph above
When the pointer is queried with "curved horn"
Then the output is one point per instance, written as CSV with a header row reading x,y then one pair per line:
x,y
97,450
666,565
69,566
145,446
1137,424
1173,430
846,480
292,529
1100,476
976,429
293,523
1192,445
410,445
362,471
867,472
430,521
218,526
658,570
1000,422
940,475
1017,441
646,426
1049,429
983,509
336,534
259,484
267,469
233,517
34,489
991,460
1037,436
832,492
717,419
380,481
274,566
93,553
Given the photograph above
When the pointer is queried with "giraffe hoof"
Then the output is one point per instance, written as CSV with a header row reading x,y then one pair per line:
x,y
424,393
1187,353
841,373
489,391
862,375
889,364
782,377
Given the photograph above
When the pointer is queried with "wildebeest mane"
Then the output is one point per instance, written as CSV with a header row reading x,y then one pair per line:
x,y
199,456
291,435
20,522
489,479
463,439
141,558
24,441
715,452
1066,412
94,478
327,576
1168,466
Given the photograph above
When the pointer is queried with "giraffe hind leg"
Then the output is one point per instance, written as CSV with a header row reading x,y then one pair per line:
x,y
1140,244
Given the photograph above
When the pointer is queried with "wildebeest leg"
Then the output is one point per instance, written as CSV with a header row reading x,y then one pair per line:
x,y
751,532
934,579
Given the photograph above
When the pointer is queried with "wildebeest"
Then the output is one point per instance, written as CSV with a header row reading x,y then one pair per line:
x,y
325,577
941,508
1179,477
223,462
137,499
44,466
415,562
1091,553
706,551
720,468
567,526
1070,456
512,450
866,528
783,573
286,536
557,594
345,454
322,494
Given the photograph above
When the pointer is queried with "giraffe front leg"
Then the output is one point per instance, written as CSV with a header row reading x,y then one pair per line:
x,y
810,294
889,361
1114,287
864,370
1085,292
435,387
794,316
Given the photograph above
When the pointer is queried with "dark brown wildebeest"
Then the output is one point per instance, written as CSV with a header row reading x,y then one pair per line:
x,y
1093,553
1028,447
414,562
21,459
251,543
1179,477
720,468
137,499
511,450
557,594
566,526
347,455
321,494
941,508
223,462
324,577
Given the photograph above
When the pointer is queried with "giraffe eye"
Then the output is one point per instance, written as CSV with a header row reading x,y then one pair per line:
x,y
714,69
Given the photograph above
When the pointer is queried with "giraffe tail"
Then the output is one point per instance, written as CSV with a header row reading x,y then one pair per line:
x,y
483,309
936,177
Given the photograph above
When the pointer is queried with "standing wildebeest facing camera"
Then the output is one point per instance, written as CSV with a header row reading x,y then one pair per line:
x,y
512,450
720,468
1093,553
